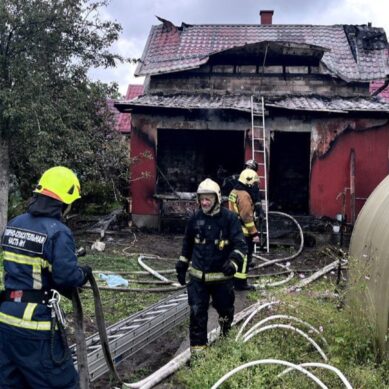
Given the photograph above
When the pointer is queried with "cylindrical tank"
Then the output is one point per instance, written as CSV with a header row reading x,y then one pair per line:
x,y
369,264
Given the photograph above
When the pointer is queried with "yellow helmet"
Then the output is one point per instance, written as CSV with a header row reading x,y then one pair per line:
x,y
248,177
209,186
60,183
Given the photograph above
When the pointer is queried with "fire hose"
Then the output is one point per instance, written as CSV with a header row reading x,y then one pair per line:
x,y
80,335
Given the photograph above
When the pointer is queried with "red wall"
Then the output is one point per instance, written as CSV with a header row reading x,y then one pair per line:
x,y
330,174
143,189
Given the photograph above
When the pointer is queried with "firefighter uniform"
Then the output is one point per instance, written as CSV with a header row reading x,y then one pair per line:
x,y
39,255
230,182
241,203
215,247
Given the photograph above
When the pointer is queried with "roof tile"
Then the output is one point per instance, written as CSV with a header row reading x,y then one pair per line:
x,y
242,103
123,122
377,84
189,47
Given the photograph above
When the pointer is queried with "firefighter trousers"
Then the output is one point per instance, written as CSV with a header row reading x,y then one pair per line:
x,y
27,363
250,247
199,295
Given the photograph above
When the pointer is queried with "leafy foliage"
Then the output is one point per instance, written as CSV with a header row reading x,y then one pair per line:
x,y
50,112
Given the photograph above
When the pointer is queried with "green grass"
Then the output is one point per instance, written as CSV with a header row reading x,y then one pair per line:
x,y
116,305
351,349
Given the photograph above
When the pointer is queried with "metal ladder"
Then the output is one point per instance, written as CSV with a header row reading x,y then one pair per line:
x,y
130,335
258,153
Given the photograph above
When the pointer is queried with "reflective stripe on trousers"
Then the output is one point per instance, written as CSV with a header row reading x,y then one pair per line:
x,y
208,277
243,274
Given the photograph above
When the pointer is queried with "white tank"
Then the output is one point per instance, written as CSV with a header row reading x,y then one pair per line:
x,y
369,264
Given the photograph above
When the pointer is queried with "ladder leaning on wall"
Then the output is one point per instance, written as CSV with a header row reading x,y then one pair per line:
x,y
258,152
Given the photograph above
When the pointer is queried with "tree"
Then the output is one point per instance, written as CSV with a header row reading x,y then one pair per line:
x,y
50,113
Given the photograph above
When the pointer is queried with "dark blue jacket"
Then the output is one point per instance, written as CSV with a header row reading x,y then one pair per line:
x,y
39,254
203,236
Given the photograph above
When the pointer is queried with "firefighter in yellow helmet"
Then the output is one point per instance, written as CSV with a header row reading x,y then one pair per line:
x,y
241,203
230,182
215,247
59,183
39,257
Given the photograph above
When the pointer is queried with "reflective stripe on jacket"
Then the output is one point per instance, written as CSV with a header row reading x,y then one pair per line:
x,y
39,253
240,202
209,241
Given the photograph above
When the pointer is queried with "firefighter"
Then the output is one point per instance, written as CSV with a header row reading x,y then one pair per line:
x,y
241,203
230,182
254,190
39,260
215,247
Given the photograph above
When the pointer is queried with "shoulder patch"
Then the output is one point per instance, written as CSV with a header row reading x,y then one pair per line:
x,y
25,240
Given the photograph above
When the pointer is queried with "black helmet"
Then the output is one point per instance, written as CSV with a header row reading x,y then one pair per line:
x,y
251,164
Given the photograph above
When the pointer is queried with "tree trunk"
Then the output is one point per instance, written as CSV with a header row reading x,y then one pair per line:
x,y
4,182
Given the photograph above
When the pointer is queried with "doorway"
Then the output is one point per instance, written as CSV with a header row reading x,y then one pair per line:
x,y
289,172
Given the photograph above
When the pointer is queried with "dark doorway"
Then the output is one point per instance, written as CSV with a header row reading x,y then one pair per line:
x,y
186,157
289,172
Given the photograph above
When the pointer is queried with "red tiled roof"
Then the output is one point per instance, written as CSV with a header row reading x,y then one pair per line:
x,y
134,91
356,53
242,103
123,123
113,110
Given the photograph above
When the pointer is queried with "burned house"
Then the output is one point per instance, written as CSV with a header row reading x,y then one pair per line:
x,y
327,136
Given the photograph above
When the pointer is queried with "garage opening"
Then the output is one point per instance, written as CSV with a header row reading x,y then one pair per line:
x,y
289,172
186,157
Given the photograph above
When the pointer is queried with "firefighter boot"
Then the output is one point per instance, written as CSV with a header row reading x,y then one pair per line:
x,y
241,285
196,353
225,325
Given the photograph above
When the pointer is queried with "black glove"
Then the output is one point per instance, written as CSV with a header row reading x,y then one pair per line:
x,y
87,270
229,268
181,268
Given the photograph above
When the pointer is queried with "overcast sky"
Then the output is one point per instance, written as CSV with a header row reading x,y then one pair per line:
x,y
137,17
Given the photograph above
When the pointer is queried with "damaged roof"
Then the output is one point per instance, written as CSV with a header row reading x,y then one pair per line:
x,y
375,85
243,103
353,53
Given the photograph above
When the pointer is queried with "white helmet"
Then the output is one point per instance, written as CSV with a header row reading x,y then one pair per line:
x,y
209,186
248,177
